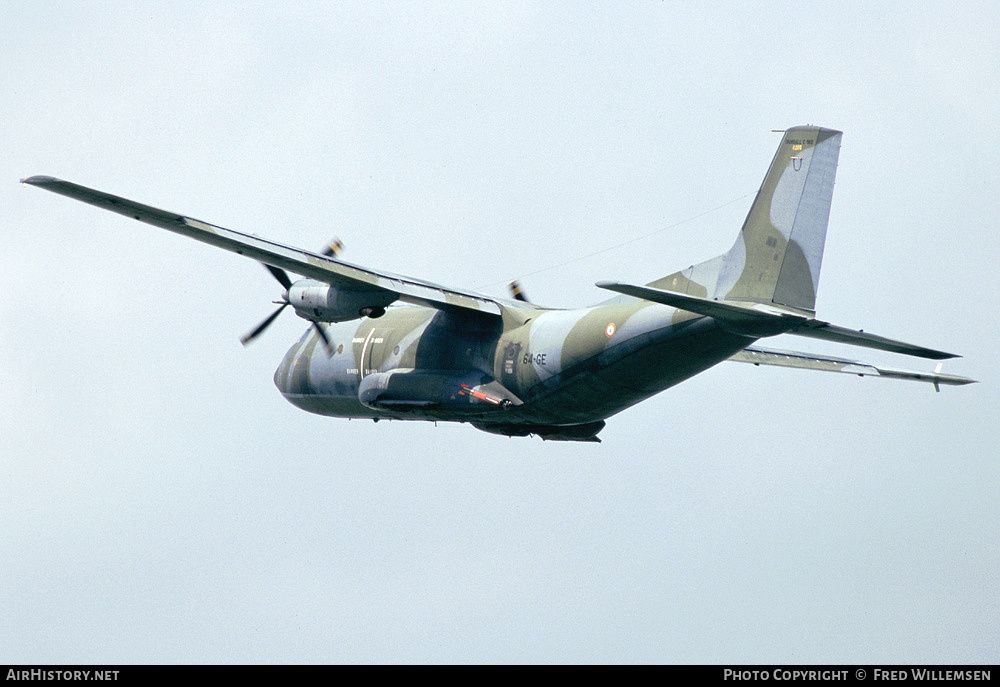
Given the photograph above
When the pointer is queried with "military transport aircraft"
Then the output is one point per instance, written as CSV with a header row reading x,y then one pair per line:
x,y
381,345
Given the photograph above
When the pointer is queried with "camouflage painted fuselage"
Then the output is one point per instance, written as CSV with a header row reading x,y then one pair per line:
x,y
382,345
561,373
565,370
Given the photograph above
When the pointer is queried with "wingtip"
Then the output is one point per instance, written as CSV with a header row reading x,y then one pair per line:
x,y
37,180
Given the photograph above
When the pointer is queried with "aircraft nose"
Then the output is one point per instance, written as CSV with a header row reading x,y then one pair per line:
x,y
281,374
288,376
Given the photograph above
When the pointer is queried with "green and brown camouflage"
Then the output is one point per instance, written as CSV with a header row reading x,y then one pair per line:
x,y
383,346
779,252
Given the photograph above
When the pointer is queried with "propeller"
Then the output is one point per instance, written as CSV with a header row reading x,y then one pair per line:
x,y
331,251
259,329
334,248
517,292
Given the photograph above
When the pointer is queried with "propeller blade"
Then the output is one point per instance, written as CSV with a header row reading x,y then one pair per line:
x,y
517,292
326,339
280,275
334,249
247,338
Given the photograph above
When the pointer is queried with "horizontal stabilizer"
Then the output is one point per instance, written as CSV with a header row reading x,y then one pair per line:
x,y
727,311
762,319
830,332
811,361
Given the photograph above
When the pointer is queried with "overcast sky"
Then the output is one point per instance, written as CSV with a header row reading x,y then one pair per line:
x,y
162,503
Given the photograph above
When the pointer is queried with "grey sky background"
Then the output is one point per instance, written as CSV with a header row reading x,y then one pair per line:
x,y
161,502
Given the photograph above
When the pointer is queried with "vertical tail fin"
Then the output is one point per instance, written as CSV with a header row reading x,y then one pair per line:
x,y
778,255
780,250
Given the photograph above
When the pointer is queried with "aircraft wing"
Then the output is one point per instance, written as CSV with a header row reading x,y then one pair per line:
x,y
810,361
308,264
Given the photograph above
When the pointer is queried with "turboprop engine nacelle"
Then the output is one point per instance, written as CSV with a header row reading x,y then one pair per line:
x,y
319,302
